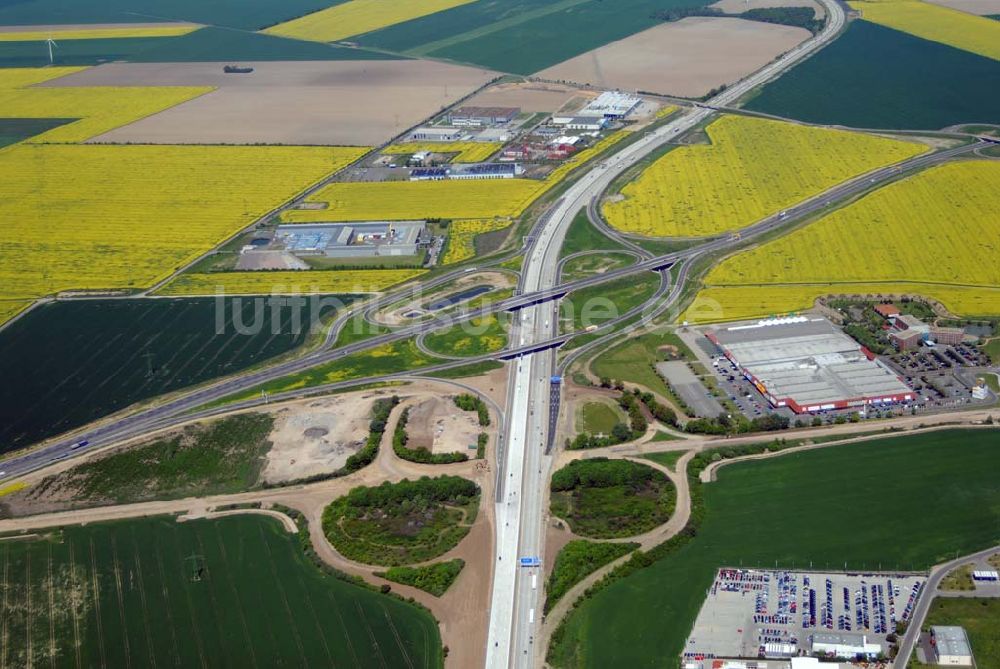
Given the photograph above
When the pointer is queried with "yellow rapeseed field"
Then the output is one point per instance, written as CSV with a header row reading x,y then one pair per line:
x,y
65,33
928,21
753,168
665,110
105,217
733,303
99,109
936,233
357,17
468,152
288,282
402,200
462,235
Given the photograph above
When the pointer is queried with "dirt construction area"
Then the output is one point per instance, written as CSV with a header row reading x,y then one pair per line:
x,y
318,436
686,58
357,103
439,426
529,96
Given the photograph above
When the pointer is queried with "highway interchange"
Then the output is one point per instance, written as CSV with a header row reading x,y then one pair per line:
x,y
523,465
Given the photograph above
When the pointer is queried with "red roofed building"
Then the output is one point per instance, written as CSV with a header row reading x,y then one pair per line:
x,y
887,311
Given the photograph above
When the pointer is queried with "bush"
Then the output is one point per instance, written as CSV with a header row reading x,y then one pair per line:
x,y
604,498
433,578
400,523
469,402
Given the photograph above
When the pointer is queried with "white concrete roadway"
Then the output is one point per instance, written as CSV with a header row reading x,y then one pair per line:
x,y
515,609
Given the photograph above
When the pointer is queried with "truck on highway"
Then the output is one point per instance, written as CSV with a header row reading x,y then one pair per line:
x,y
79,444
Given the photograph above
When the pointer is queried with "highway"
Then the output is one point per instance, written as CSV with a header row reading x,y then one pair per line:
x,y
515,603
523,467
184,405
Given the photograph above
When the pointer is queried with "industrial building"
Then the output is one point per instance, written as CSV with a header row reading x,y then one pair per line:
x,y
485,171
481,116
467,172
611,105
808,364
587,123
908,332
951,646
351,240
440,134
844,645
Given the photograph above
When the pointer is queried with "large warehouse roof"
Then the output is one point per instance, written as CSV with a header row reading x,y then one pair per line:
x,y
808,362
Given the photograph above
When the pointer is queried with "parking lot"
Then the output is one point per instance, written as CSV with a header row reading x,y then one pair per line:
x,y
751,613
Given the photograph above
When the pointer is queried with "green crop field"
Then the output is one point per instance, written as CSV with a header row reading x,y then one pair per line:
x,y
207,44
67,363
875,77
521,36
234,592
241,14
13,130
829,507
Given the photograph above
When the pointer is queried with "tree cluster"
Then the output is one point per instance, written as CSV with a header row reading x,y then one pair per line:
x,y
469,402
601,473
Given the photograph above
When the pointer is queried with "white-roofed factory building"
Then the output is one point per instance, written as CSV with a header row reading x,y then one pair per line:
x,y
951,645
808,364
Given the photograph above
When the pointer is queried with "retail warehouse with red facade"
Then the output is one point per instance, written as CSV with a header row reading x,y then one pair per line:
x,y
808,365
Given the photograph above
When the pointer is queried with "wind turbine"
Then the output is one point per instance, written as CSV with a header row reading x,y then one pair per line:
x,y
51,43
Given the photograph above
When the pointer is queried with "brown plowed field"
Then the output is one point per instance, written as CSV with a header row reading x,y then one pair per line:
x,y
354,103
686,58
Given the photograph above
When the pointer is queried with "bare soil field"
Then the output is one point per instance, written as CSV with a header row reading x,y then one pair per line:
x,y
439,426
269,260
739,6
356,103
317,436
980,7
687,58
529,96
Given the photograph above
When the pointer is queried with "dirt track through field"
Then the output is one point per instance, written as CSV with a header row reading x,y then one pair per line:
x,y
357,103
689,57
